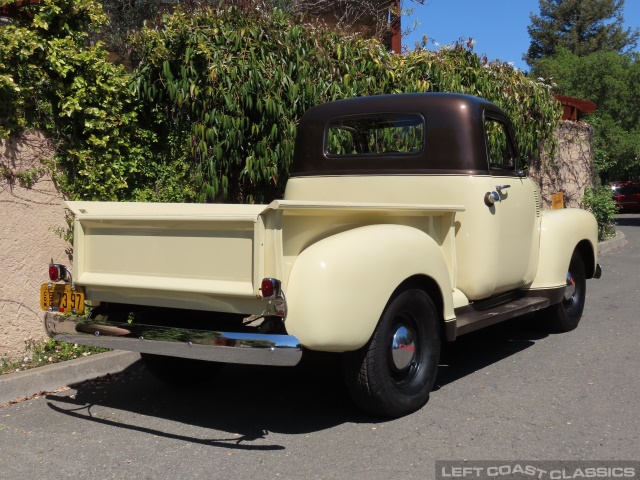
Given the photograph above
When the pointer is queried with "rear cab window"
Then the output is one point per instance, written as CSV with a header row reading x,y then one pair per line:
x,y
379,134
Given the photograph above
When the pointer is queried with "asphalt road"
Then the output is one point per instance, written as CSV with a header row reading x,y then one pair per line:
x,y
511,392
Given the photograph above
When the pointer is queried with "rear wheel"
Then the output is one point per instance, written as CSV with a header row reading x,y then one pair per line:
x,y
393,374
565,316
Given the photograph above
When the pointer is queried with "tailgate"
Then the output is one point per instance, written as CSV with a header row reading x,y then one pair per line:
x,y
151,248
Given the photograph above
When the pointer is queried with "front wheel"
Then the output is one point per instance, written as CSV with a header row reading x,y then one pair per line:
x,y
393,374
565,316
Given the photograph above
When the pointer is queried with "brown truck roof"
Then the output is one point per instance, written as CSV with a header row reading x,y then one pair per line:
x,y
454,138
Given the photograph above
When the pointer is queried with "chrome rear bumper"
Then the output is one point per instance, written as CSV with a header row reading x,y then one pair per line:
x,y
227,347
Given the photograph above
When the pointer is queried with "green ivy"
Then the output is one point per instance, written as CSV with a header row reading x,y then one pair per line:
x,y
52,79
210,111
25,178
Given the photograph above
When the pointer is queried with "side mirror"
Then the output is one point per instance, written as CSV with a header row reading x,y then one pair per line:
x,y
523,173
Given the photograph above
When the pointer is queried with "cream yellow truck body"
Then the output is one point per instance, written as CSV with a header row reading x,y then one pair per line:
x,y
419,207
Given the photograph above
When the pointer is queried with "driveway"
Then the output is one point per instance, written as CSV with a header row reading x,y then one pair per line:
x,y
511,392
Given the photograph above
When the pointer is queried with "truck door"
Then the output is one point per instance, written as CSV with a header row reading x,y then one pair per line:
x,y
514,207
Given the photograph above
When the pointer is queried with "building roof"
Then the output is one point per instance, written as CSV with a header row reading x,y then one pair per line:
x,y
574,107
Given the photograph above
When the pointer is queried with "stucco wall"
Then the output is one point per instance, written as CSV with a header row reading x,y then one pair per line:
x,y
27,242
571,170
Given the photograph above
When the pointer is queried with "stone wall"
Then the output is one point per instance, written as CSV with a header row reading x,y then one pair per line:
x,y
27,241
571,170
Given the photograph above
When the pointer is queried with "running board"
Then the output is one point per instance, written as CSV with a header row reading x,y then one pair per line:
x,y
469,319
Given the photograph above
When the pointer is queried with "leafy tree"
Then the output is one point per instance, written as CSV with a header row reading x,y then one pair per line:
x,y
580,26
125,17
367,17
211,109
612,81
225,91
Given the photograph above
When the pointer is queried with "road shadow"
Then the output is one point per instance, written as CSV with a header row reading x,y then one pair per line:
x,y
477,350
628,220
243,404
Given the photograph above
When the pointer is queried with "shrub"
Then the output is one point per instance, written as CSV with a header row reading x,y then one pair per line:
x,y
38,353
600,202
224,90
53,80
210,111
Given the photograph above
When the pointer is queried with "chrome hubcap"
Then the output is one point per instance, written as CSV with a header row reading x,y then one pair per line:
x,y
571,287
402,347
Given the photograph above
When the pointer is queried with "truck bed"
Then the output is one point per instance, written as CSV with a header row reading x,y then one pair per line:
x,y
214,256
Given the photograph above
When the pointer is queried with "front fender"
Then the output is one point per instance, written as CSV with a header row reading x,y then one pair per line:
x,y
561,231
339,286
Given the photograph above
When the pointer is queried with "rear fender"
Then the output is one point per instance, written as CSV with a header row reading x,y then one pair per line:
x,y
339,286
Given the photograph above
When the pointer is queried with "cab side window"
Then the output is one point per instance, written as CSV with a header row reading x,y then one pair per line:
x,y
500,150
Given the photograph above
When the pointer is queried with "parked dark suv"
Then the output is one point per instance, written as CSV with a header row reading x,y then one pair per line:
x,y
627,196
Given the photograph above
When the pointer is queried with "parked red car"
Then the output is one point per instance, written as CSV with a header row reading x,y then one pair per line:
x,y
627,196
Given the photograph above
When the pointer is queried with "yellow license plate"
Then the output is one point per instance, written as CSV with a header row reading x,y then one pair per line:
x,y
59,297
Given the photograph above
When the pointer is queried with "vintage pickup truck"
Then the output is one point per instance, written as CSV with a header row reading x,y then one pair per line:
x,y
407,221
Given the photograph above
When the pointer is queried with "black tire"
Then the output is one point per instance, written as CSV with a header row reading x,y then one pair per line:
x,y
180,371
565,316
393,382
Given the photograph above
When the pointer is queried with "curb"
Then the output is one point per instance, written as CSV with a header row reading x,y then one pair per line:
x,y
22,385
616,242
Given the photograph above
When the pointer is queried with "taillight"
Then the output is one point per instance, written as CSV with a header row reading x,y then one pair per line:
x,y
270,288
57,272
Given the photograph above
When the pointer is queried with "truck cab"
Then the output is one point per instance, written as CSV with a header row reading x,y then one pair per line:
x,y
430,149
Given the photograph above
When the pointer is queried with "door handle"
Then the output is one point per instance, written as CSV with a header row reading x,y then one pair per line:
x,y
502,187
490,198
